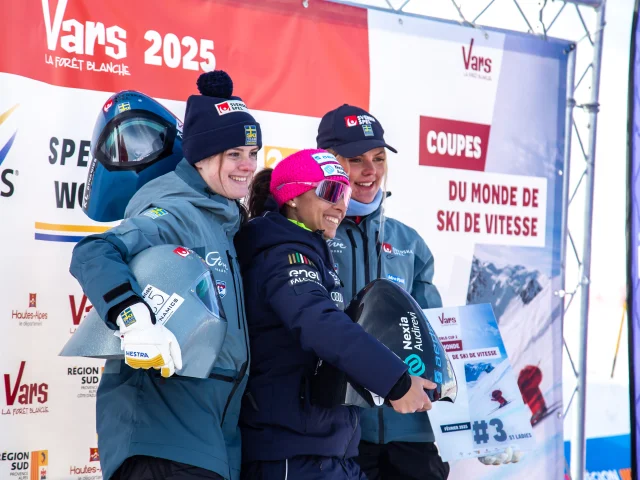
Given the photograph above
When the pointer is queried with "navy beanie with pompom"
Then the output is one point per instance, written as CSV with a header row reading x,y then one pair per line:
x,y
216,121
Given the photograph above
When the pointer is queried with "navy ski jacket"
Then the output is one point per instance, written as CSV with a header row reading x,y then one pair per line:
x,y
295,317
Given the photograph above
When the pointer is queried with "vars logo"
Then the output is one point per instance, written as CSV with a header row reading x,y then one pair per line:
x,y
84,36
475,65
447,320
79,310
24,393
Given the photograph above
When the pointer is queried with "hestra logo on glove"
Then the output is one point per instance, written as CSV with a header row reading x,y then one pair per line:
x,y
137,354
231,106
127,317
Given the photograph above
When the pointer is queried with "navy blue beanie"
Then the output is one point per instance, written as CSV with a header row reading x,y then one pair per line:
x,y
216,121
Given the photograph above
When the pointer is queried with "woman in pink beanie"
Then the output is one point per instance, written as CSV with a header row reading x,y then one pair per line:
x,y
292,428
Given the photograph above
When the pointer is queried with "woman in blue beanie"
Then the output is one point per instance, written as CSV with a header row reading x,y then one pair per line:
x,y
152,424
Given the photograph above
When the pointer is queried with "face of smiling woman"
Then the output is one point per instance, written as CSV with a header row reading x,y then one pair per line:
x,y
230,173
366,173
317,214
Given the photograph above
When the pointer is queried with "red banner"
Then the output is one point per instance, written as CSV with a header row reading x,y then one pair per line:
x,y
299,67
453,144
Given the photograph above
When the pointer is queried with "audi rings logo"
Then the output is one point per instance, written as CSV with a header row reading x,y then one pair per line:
x,y
416,365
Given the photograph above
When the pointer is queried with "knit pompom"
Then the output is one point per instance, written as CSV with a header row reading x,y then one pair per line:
x,y
215,84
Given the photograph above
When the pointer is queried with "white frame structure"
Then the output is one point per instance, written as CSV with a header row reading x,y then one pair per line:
x,y
539,17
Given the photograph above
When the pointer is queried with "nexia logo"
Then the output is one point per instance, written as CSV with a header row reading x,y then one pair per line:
x,y
24,393
416,365
83,37
447,320
474,62
6,183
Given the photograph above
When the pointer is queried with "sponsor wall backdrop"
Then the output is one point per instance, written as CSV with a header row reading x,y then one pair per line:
x,y
477,116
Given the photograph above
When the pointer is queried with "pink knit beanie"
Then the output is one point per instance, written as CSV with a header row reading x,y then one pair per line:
x,y
310,165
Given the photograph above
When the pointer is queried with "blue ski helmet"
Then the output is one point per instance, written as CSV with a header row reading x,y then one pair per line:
x,y
135,139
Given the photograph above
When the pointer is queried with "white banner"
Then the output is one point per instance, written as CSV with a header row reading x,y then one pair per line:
x,y
477,117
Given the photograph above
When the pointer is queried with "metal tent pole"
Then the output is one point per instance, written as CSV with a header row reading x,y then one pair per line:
x,y
578,443
568,134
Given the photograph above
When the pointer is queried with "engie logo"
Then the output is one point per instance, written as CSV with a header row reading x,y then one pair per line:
x,y
416,365
19,394
475,65
27,465
447,320
30,317
453,144
6,175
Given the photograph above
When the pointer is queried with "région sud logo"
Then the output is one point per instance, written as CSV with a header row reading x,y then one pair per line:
x,y
453,144
25,465
24,398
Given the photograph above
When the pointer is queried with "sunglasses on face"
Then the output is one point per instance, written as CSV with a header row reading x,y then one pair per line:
x,y
328,190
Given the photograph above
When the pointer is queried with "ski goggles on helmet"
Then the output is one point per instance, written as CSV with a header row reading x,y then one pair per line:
x,y
134,140
329,190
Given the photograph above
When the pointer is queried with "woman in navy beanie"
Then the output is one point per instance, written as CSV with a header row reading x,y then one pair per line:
x,y
151,424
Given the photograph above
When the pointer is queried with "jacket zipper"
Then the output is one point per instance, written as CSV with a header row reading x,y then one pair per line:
x,y
354,283
378,248
365,241
245,365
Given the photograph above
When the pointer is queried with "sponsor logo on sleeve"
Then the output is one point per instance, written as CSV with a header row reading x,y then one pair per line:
x,y
155,212
396,279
